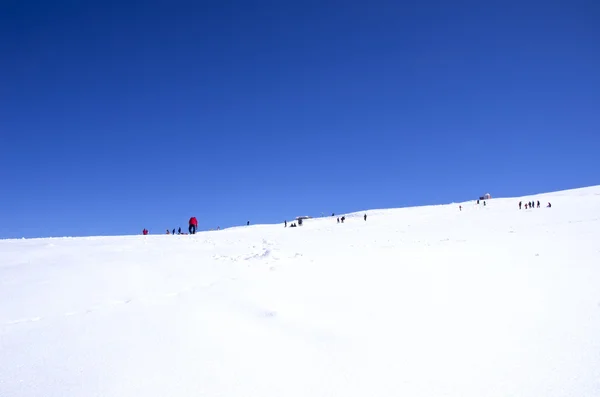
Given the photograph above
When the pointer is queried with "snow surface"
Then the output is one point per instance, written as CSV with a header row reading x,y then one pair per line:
x,y
427,301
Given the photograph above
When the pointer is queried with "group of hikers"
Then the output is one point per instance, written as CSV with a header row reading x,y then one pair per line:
x,y
529,205
339,220
192,228
193,222
532,204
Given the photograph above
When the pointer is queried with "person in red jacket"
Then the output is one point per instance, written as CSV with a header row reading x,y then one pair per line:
x,y
193,225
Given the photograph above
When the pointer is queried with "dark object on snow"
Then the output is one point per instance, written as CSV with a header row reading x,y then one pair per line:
x,y
365,217
484,204
338,220
145,232
284,223
300,222
549,205
179,231
477,201
520,203
343,219
173,232
248,223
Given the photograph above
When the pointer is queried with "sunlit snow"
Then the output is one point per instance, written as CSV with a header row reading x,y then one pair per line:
x,y
427,301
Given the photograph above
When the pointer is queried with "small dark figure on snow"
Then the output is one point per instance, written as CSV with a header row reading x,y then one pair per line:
x,y
338,220
365,217
299,222
284,223
343,219
173,232
478,202
525,205
538,204
333,214
520,204
460,207
549,205
248,223
484,204
179,231
145,232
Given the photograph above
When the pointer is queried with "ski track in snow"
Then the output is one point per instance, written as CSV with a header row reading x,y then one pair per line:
x,y
425,301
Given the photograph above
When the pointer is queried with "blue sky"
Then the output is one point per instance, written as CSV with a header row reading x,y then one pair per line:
x,y
115,116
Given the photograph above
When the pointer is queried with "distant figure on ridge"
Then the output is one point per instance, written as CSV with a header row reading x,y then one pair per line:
x,y
168,232
173,232
484,204
343,219
145,232
193,225
365,217
248,223
179,231
520,204
338,220
284,223
538,204
460,207
549,205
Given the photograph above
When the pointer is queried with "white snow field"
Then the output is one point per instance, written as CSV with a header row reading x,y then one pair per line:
x,y
427,301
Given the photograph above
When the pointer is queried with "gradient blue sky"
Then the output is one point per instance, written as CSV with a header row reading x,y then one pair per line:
x,y
115,116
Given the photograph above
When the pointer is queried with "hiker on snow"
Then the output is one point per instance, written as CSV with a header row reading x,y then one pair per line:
x,y
193,225
365,217
520,204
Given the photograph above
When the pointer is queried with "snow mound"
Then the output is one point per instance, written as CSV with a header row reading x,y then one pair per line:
x,y
428,301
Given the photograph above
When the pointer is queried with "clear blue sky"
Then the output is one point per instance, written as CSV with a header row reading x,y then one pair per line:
x,y
115,116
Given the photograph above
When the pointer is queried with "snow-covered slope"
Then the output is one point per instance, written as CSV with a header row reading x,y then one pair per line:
x,y
429,301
